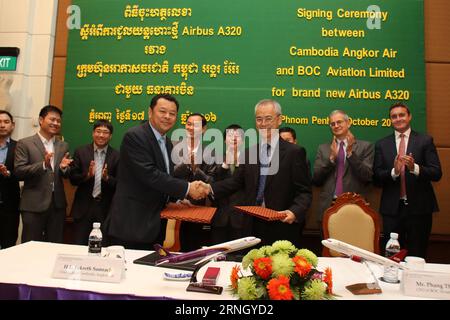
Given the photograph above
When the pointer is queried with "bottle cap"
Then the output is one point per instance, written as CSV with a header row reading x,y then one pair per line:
x,y
394,235
96,225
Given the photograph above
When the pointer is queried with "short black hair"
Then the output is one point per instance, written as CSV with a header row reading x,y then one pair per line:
x,y
8,114
163,96
231,127
399,105
290,130
49,108
204,122
103,123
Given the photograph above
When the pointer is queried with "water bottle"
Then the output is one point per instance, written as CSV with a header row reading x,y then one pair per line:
x,y
392,247
95,240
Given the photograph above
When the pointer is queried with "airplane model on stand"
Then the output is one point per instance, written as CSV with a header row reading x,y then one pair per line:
x,y
205,253
357,253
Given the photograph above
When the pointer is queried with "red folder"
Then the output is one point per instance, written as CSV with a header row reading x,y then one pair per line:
x,y
262,213
197,214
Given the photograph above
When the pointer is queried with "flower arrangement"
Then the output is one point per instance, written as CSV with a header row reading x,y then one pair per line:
x,y
281,272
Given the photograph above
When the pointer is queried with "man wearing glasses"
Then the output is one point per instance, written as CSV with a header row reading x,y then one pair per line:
x,y
278,180
344,165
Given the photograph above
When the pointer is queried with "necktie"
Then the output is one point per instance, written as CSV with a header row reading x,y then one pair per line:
x,y
162,145
264,165
232,168
99,161
401,152
340,170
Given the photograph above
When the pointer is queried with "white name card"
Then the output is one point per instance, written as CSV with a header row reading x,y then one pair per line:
x,y
90,268
419,283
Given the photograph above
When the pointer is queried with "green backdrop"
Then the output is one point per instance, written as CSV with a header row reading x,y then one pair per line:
x,y
259,45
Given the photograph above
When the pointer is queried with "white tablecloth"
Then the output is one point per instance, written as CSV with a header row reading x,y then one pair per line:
x,y
32,264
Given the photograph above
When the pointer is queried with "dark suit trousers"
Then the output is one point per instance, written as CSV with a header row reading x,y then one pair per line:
x,y
269,232
44,226
413,230
9,225
193,236
141,245
82,227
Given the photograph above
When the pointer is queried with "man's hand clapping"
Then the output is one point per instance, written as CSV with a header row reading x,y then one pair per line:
x,y
66,161
4,170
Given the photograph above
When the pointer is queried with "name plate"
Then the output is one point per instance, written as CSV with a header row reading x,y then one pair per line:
x,y
419,283
89,268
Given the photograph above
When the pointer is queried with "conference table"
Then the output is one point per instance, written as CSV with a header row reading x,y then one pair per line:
x,y
26,273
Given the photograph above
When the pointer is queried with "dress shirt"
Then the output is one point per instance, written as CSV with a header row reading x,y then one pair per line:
x,y
159,136
406,134
338,143
49,146
4,151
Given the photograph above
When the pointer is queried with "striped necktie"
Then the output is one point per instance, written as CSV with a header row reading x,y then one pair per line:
x,y
99,162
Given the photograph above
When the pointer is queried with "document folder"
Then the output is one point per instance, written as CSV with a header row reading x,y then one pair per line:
x,y
195,214
262,213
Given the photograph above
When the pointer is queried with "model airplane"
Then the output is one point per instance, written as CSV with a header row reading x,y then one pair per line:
x,y
206,253
355,252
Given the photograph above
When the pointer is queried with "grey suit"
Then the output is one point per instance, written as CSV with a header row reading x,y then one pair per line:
x,y
43,201
357,174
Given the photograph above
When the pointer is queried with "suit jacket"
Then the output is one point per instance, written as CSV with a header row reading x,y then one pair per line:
x,y
226,214
357,173
204,171
288,189
143,187
419,191
78,173
9,186
39,182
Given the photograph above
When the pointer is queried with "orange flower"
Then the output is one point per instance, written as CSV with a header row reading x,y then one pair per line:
x,y
235,276
279,289
263,267
328,279
302,266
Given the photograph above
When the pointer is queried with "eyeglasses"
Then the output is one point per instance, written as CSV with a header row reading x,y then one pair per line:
x,y
265,119
336,123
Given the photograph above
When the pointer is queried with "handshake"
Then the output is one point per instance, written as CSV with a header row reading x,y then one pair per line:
x,y
199,190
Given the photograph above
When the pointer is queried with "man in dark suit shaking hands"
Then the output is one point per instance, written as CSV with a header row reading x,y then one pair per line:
x,y
278,180
406,163
145,182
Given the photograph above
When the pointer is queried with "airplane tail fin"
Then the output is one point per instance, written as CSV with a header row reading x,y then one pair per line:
x,y
399,256
163,253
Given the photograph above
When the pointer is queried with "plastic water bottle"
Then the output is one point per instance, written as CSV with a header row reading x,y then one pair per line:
x,y
95,240
392,248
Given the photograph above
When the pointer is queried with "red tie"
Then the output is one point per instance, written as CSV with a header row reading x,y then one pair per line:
x,y
401,152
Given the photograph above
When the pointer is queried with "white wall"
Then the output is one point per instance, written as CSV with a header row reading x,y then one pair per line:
x,y
30,26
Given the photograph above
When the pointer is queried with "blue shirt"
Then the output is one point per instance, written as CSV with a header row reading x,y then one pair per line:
x,y
4,151
159,138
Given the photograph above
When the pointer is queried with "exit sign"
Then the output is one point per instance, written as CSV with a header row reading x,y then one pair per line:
x,y
8,63
8,58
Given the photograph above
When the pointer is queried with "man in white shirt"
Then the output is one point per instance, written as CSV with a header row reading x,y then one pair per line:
x,y
41,161
406,163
